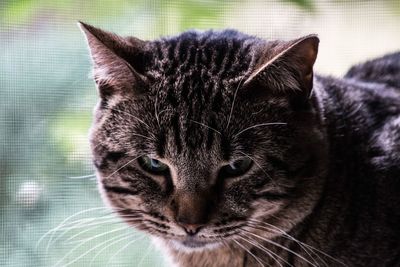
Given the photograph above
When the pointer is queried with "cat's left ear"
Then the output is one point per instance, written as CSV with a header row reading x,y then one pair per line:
x,y
116,62
285,67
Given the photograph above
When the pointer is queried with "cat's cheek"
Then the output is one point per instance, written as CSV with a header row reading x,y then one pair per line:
x,y
266,208
116,201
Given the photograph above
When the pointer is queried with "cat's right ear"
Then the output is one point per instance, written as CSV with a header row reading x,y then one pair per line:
x,y
112,58
284,68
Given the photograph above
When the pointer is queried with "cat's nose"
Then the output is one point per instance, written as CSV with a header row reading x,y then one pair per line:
x,y
191,210
191,229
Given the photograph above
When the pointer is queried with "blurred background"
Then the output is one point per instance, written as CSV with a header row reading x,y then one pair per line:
x,y
50,211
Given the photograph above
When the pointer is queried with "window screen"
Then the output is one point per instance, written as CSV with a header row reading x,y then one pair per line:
x,y
51,212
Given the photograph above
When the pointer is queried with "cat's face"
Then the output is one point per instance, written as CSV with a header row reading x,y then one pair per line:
x,y
200,137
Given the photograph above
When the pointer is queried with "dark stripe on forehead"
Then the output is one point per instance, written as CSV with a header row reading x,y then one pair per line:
x,y
159,52
161,143
181,50
225,148
169,50
217,101
211,133
176,132
218,61
228,64
172,98
191,56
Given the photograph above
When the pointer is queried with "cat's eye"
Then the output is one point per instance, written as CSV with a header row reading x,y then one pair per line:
x,y
236,168
153,166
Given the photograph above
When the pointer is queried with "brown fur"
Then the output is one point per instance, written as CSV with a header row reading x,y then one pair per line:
x,y
322,188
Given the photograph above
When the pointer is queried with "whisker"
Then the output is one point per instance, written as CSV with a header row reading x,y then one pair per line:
x,y
248,251
156,109
287,236
233,102
305,244
92,227
101,234
66,227
123,166
141,135
124,237
281,246
205,125
112,243
258,125
130,115
109,219
145,255
270,253
87,252
83,176
124,247
162,111
65,220
259,166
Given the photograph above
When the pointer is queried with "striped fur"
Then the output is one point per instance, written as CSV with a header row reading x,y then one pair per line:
x,y
200,100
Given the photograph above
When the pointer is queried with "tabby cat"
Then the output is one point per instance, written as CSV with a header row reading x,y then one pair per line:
x,y
228,151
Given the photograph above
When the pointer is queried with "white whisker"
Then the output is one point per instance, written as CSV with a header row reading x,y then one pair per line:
x,y
205,125
110,244
156,109
258,125
83,176
101,234
233,102
162,111
270,253
144,255
248,251
282,247
131,115
287,236
141,135
92,226
259,166
84,254
65,220
124,247
123,166
305,244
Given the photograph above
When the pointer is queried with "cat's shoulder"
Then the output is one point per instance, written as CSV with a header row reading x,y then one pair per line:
x,y
385,70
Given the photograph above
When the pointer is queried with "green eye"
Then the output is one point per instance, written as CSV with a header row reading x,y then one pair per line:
x,y
236,168
152,166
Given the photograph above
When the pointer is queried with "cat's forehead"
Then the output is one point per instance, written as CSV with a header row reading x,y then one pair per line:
x,y
219,56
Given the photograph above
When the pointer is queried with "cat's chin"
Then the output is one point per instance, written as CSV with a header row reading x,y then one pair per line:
x,y
191,245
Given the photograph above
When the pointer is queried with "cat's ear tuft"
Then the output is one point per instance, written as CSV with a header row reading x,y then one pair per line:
x,y
285,67
112,58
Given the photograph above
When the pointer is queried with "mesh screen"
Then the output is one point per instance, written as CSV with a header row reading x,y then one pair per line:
x,y
51,212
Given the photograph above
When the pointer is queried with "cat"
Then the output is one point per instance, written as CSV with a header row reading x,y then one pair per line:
x,y
229,151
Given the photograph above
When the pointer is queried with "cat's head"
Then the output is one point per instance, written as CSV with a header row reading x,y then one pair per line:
x,y
198,138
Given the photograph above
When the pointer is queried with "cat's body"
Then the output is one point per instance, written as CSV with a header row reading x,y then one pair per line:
x,y
227,150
